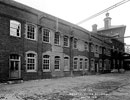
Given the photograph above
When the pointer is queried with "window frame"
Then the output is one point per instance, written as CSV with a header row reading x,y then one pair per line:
x,y
75,45
35,59
46,36
66,41
86,47
87,64
15,28
55,40
45,70
75,69
80,62
59,60
35,31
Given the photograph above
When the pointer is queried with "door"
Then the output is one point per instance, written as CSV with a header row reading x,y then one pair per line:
x,y
15,66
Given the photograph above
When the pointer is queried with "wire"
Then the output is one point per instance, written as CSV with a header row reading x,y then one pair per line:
x,y
103,11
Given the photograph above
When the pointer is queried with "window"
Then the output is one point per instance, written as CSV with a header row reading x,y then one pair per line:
x,y
66,41
31,32
46,35
75,42
96,48
92,47
100,64
100,50
81,63
14,62
86,46
57,38
15,28
86,63
46,63
66,63
31,61
75,64
57,63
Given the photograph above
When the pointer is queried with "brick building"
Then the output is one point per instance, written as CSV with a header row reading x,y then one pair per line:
x,y
36,45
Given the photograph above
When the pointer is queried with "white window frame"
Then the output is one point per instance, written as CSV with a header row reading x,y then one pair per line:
x,y
86,60
35,31
13,28
35,59
66,42
47,59
80,62
75,43
55,39
75,64
67,68
43,35
59,60
86,47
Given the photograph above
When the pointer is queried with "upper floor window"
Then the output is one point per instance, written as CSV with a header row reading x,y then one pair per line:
x,y
100,50
81,63
57,38
31,32
86,46
75,64
46,63
46,35
66,41
31,61
92,47
15,28
75,42
96,47
57,63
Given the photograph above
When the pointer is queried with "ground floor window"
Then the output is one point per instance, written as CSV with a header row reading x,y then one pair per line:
x,y
81,63
92,64
86,63
75,64
57,63
46,63
31,61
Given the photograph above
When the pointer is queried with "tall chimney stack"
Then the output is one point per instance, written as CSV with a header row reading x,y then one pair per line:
x,y
94,28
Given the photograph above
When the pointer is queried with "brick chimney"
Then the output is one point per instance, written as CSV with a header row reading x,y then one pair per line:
x,y
94,28
107,21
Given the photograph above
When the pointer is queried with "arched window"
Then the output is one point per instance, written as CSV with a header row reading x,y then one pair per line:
x,y
57,63
86,63
75,64
81,63
66,63
15,28
46,63
31,61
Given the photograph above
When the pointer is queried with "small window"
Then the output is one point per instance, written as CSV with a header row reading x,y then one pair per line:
x,y
86,46
75,64
31,61
46,63
86,63
81,64
75,43
57,63
57,38
15,28
66,41
66,63
31,32
46,35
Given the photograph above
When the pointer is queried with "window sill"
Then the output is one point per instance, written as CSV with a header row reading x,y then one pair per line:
x,y
46,71
15,36
31,39
31,71
57,69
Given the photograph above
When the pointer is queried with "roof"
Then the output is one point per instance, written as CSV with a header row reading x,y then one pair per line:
x,y
111,27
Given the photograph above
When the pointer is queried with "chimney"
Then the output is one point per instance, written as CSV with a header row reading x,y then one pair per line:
x,y
107,21
94,28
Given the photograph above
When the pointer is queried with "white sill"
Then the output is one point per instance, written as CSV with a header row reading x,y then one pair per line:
x,y
29,71
31,39
46,70
75,69
15,36
57,69
45,42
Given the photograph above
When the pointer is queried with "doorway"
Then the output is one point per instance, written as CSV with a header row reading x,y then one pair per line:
x,y
15,66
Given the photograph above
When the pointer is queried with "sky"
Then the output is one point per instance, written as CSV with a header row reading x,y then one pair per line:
x,y
75,11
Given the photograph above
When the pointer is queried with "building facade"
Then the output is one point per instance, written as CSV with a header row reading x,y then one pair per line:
x,y
36,45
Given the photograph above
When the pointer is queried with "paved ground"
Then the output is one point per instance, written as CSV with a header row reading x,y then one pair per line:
x,y
93,87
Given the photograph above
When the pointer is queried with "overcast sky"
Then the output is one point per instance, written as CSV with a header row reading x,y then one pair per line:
x,y
76,10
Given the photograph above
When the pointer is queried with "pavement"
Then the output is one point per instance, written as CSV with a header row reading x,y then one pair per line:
x,y
112,86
